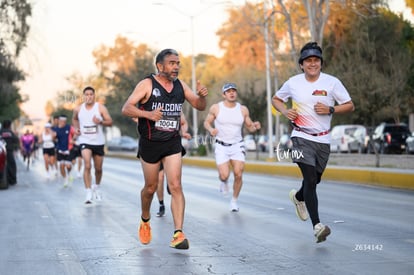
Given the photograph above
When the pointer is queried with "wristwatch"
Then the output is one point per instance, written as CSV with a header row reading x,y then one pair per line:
x,y
331,110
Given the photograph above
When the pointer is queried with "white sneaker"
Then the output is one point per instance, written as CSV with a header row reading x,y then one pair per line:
x,y
96,192
233,206
300,206
224,188
47,174
88,196
321,232
78,175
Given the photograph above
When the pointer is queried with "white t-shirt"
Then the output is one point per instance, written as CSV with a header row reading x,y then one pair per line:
x,y
304,94
229,123
91,133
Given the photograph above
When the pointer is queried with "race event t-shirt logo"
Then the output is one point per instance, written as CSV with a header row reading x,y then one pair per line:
x,y
320,93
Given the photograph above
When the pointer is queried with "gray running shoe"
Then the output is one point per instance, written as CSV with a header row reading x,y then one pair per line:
x,y
300,206
321,232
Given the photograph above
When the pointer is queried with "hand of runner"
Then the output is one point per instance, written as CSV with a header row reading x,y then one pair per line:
x,y
291,114
156,114
201,89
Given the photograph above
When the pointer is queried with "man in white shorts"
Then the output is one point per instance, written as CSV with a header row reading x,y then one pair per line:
x,y
229,116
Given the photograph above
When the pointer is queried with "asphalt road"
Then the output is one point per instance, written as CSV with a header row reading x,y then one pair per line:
x,y
47,229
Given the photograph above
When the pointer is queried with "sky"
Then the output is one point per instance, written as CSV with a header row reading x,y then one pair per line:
x,y
64,34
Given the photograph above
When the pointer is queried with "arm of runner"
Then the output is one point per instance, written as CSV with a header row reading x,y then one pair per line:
x,y
141,94
75,120
198,99
208,122
278,103
184,127
248,123
106,117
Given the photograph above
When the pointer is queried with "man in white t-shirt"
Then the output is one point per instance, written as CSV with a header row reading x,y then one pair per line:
x,y
313,94
88,120
229,116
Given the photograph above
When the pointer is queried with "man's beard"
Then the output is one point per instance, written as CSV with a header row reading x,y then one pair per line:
x,y
168,75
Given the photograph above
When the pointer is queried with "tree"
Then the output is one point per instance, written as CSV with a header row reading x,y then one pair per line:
x,y
410,4
241,38
49,109
10,97
14,29
374,59
123,82
318,13
14,26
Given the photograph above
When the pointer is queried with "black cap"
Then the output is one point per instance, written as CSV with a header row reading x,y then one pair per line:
x,y
310,49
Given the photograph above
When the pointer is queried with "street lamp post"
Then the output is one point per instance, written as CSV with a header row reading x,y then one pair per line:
x,y
193,66
193,78
268,85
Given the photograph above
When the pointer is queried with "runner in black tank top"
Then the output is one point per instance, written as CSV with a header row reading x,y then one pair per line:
x,y
157,102
168,126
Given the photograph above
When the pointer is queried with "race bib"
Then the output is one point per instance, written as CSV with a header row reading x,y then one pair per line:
x,y
167,124
93,129
48,144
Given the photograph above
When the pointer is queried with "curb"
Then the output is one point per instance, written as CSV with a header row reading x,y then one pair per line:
x,y
378,177
395,178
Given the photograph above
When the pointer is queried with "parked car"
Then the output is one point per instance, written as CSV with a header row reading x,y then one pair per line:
x,y
3,164
123,143
250,143
390,138
409,144
358,141
341,135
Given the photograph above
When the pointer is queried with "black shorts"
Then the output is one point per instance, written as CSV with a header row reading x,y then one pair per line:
x,y
63,156
75,152
153,151
49,151
96,149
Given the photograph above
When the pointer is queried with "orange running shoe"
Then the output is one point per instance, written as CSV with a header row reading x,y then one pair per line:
x,y
145,232
179,241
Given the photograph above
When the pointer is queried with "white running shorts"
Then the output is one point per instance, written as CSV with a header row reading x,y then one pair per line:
x,y
224,154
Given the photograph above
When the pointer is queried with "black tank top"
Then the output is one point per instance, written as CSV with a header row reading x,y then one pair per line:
x,y
169,125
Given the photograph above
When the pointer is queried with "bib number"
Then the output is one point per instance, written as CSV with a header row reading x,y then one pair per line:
x,y
167,125
90,129
48,144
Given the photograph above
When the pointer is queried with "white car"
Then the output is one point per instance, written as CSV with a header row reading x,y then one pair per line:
x,y
409,144
342,135
358,141
250,143
123,143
